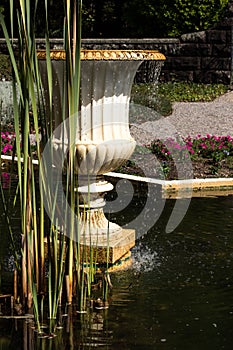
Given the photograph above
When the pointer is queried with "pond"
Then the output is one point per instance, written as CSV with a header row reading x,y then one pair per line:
x,y
177,293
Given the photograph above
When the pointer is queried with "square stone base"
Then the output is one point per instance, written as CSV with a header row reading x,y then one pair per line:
x,y
110,249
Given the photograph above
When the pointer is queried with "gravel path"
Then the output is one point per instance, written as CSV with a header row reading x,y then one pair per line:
x,y
215,118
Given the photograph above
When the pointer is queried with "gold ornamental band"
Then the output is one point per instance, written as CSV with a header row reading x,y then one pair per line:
x,y
108,55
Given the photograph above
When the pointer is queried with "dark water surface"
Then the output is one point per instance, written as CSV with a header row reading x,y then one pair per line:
x,y
177,294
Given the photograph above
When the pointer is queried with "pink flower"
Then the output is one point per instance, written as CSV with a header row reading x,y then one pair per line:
x,y
6,148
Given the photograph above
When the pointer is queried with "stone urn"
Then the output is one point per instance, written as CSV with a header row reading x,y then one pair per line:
x,y
101,138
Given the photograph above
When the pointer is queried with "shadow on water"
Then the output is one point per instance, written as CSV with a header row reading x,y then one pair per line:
x,y
177,293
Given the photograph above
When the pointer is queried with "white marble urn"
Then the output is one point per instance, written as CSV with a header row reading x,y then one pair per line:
x,y
100,131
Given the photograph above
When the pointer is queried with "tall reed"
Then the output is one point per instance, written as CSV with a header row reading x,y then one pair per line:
x,y
42,237
27,97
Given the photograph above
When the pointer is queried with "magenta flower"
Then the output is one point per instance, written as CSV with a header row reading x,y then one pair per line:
x,y
209,146
7,148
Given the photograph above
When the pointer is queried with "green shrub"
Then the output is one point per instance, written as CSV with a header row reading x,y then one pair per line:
x,y
190,92
148,96
160,96
5,67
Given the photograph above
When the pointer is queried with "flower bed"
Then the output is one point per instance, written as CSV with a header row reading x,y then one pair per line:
x,y
210,156
7,142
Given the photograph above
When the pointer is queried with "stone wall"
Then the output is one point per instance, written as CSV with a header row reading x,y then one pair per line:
x,y
205,56
199,57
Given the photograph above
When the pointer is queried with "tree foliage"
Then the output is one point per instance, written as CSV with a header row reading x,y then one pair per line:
x,y
188,16
163,18
134,18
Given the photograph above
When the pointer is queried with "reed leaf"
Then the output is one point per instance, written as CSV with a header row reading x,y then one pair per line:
x,y
28,98
9,227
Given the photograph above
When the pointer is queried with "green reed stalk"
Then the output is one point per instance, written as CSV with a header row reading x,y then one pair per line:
x,y
27,98
35,232
105,289
72,49
33,285
46,132
56,258
26,81
9,227
81,285
22,111
58,261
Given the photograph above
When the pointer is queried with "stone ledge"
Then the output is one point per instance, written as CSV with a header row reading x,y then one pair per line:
x,y
208,184
116,247
173,186
197,193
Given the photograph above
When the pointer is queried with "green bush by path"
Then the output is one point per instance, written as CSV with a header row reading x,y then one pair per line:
x,y
148,95
191,92
160,96
5,67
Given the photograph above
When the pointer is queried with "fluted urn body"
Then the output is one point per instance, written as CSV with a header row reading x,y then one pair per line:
x,y
102,125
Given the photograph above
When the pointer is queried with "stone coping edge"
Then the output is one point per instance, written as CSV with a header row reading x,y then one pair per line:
x,y
167,185
180,185
59,42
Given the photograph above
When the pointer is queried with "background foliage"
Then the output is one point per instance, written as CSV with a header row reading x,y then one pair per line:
x,y
133,18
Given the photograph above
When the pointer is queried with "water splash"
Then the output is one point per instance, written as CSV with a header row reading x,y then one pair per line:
x,y
144,259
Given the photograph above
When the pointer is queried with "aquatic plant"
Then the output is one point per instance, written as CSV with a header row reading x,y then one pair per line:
x,y
52,270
